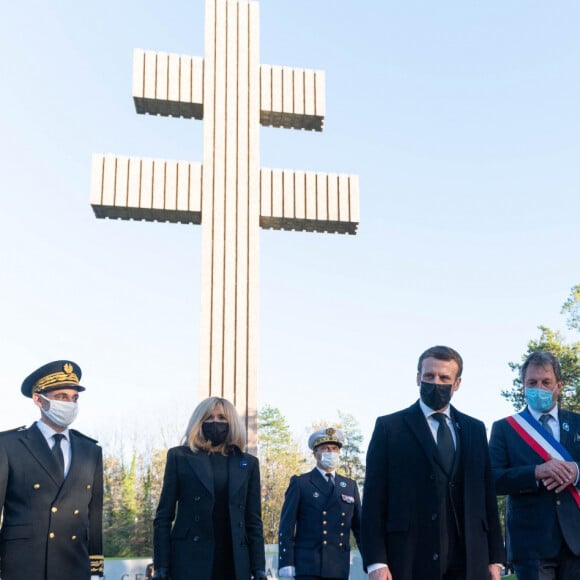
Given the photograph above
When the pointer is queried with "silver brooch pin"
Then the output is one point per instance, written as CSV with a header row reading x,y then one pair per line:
x,y
315,494
342,484
565,426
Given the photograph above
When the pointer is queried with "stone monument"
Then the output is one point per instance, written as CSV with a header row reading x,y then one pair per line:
x,y
228,194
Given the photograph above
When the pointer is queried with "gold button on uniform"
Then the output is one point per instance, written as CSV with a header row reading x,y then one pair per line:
x,y
324,532
324,523
88,486
76,513
325,542
51,535
53,509
36,486
323,513
73,538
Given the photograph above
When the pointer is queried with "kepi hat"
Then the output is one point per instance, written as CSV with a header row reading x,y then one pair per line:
x,y
60,374
326,435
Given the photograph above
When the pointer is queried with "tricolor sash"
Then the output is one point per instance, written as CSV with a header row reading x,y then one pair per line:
x,y
541,442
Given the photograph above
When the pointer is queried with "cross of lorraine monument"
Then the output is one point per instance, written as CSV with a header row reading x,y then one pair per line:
x,y
228,194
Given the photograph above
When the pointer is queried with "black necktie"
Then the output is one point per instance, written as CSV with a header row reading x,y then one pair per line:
x,y
57,451
330,480
545,421
445,442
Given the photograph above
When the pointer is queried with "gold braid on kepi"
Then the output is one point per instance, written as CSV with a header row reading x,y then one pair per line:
x,y
326,435
60,374
97,565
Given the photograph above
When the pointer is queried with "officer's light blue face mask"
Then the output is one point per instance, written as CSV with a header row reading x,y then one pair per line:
x,y
539,400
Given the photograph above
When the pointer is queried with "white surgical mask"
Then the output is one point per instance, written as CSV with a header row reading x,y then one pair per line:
x,y
61,413
329,460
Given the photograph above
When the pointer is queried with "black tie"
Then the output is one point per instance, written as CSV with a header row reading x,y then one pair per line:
x,y
57,451
330,480
445,442
545,421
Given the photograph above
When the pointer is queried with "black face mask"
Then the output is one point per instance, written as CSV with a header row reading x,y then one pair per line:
x,y
215,431
435,396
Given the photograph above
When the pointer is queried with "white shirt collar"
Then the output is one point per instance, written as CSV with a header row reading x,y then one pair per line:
x,y
48,431
427,411
325,472
553,413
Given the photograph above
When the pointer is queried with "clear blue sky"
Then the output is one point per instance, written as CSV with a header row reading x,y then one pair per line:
x,y
462,120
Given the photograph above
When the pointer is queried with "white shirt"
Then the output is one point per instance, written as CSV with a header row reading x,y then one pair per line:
x,y
434,423
554,422
48,432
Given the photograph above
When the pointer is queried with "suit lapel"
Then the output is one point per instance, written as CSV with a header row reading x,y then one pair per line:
x,y
566,428
38,447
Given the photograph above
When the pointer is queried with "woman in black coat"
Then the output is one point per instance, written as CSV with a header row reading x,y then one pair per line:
x,y
208,524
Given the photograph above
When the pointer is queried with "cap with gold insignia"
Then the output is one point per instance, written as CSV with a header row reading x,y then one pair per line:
x,y
326,435
60,374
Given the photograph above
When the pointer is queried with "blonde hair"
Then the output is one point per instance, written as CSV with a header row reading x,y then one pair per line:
x,y
194,438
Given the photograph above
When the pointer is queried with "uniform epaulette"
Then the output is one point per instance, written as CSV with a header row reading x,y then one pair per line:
x,y
21,428
83,435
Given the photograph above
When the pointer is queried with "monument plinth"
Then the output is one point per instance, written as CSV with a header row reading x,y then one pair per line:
x,y
228,194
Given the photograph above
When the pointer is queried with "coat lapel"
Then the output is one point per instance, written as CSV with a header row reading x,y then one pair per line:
x,y
418,425
318,481
38,447
200,463
238,467
462,439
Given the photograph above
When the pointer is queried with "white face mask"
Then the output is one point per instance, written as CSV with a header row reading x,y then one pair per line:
x,y
329,460
61,413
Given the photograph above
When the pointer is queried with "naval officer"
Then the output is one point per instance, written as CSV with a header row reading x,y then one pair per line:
x,y
320,510
51,486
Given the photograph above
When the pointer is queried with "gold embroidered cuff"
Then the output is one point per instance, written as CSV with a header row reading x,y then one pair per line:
x,y
97,565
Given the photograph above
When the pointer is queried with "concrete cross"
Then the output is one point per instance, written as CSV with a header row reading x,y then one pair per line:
x,y
228,194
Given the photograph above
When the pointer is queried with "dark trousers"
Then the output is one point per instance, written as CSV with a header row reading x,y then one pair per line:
x,y
565,567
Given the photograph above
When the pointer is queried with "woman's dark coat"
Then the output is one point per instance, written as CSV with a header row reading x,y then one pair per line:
x,y
187,501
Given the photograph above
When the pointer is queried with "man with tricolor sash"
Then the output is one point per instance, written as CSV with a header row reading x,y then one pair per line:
x,y
535,457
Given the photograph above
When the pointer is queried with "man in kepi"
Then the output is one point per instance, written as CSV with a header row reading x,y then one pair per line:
x,y
534,457
51,486
429,509
319,512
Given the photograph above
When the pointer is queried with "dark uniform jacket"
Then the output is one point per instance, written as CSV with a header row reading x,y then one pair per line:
x,y
315,525
538,520
186,548
52,529
407,519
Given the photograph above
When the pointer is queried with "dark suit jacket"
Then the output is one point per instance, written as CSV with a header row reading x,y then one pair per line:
x,y
402,507
537,520
49,524
187,500
315,525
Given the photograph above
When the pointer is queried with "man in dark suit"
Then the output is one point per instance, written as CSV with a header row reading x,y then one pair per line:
x,y
51,487
429,507
320,510
535,457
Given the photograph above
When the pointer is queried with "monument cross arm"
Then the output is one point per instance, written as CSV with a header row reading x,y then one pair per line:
x,y
227,193
171,85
